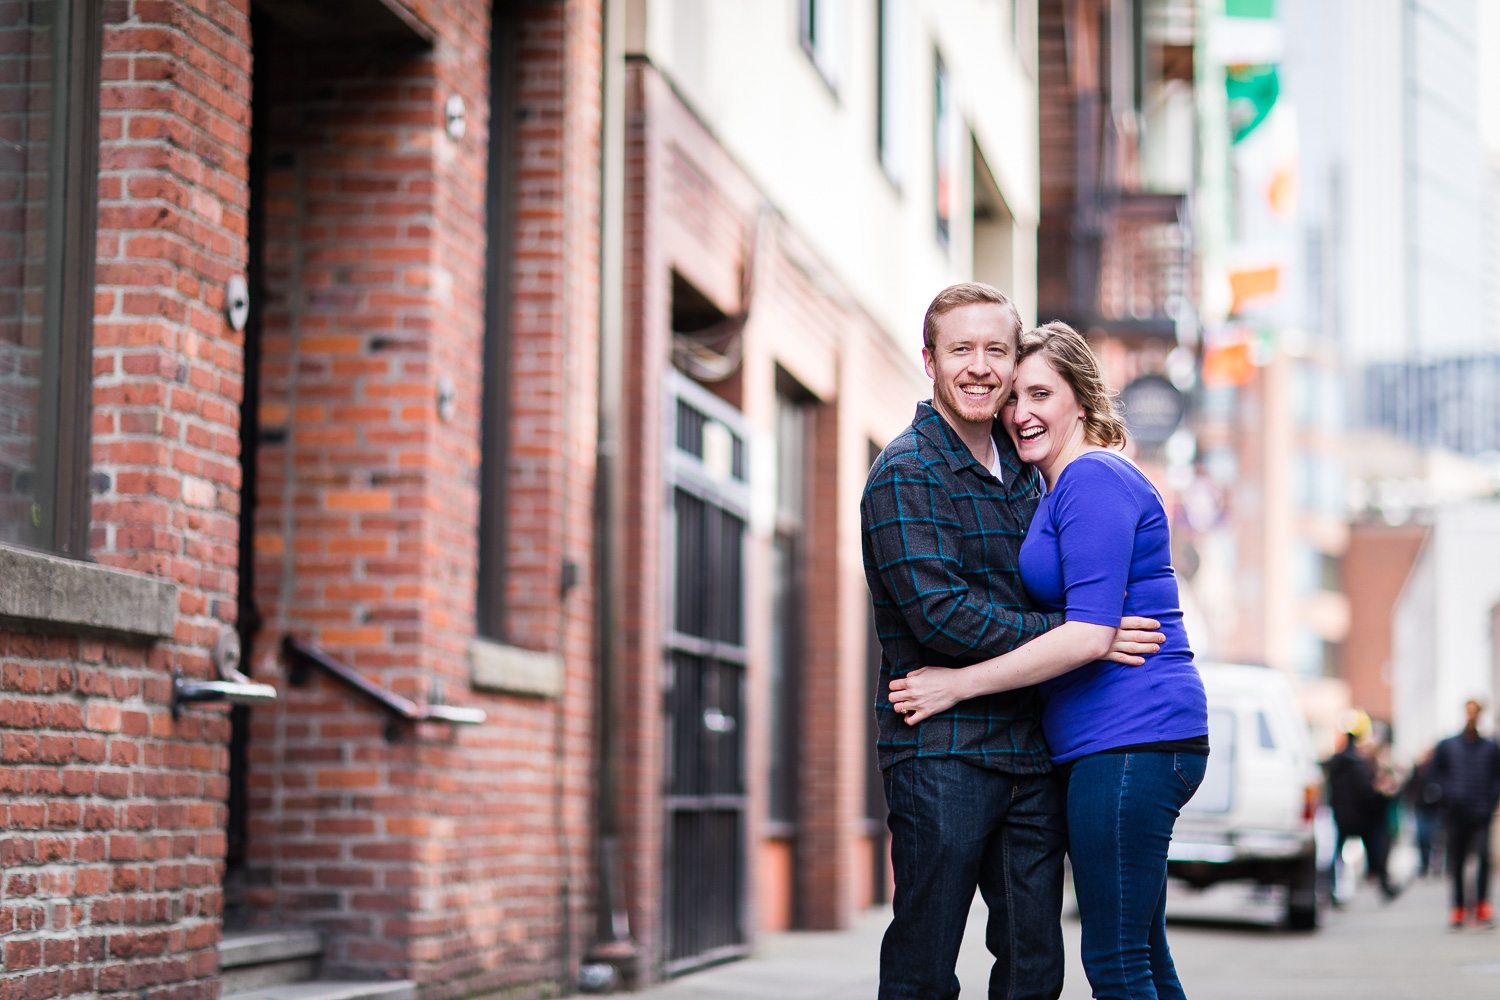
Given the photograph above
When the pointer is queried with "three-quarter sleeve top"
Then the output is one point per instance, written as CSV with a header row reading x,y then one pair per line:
x,y
1098,549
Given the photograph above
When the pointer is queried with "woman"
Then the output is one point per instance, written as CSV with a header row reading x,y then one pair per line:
x,y
1131,742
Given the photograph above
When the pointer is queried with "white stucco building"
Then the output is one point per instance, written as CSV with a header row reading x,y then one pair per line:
x,y
1443,627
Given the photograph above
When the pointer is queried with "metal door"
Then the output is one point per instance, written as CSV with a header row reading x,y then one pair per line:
x,y
705,667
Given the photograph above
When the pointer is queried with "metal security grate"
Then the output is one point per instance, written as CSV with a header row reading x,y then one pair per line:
x,y
707,851
704,701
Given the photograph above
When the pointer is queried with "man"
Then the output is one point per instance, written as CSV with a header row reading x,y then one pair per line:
x,y
1466,769
972,800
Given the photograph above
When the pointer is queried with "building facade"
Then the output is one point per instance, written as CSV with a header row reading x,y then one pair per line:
x,y
799,180
477,396
261,415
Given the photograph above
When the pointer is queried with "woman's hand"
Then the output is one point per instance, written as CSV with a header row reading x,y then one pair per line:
x,y
927,691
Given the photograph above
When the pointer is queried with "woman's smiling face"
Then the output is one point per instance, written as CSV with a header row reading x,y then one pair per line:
x,y
1044,417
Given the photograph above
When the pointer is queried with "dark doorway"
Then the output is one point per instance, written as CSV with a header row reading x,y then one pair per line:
x,y
705,700
249,618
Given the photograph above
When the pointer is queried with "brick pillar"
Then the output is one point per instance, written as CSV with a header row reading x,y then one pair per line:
x,y
830,800
457,857
111,814
647,320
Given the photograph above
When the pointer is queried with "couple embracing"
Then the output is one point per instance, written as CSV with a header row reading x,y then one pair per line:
x,y
1037,692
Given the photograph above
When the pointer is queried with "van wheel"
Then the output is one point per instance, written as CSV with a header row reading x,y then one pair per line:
x,y
1302,895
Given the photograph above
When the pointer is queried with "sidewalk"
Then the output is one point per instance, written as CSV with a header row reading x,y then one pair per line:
x,y
1225,942
838,965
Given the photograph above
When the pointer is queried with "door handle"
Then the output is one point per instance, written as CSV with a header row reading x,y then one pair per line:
x,y
716,721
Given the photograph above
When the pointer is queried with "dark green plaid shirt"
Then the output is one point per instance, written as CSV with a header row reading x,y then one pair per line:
x,y
942,539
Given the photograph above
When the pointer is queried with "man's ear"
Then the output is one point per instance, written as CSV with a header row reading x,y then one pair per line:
x,y
927,363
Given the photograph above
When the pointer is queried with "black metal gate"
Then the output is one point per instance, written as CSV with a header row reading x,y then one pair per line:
x,y
705,666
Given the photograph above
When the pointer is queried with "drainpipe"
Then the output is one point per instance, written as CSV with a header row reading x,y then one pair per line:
x,y
611,959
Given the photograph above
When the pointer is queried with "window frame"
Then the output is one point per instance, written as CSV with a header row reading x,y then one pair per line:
x,y
64,462
887,90
794,417
495,412
813,31
943,126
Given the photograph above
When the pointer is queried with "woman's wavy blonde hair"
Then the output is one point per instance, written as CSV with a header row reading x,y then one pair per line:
x,y
1071,357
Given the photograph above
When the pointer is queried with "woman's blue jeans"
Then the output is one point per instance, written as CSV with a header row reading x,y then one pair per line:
x,y
1121,809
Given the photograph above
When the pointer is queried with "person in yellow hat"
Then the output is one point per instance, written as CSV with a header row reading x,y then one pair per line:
x,y
1360,808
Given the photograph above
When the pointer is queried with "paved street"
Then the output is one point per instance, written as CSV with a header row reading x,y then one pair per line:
x,y
1225,944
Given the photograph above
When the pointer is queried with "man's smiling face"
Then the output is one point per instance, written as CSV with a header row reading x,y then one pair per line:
x,y
972,363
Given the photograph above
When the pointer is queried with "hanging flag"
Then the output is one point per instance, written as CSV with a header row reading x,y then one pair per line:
x,y
1252,94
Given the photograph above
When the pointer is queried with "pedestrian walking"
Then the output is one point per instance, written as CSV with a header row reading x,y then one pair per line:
x,y
1466,769
1131,742
972,794
1360,807
1422,796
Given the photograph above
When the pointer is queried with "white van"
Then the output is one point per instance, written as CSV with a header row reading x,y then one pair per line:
x,y
1253,816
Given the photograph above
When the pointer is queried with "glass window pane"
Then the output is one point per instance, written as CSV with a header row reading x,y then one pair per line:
x,y
1263,728
30,265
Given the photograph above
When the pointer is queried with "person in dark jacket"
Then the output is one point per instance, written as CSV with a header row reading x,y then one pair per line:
x,y
1466,768
1360,809
1422,796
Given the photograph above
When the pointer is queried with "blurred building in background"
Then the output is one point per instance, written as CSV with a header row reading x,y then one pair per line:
x,y
799,179
1349,366
1419,337
1267,497
1116,257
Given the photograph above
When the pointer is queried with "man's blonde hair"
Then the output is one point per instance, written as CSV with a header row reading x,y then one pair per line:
x,y
966,293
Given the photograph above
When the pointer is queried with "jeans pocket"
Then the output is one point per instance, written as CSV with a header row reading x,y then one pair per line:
x,y
1190,768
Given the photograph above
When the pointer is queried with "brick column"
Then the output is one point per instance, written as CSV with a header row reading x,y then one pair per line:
x,y
111,827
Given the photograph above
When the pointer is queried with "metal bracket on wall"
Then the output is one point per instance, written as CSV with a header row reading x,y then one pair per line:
x,y
302,656
233,692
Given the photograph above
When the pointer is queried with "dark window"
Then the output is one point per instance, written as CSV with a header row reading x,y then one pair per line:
x,y
1330,572
807,24
943,140
887,88
500,224
786,604
816,32
49,153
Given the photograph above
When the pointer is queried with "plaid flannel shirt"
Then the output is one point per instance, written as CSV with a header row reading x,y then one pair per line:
x,y
942,539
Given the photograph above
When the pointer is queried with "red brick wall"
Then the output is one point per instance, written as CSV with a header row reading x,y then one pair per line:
x,y
690,208
113,819
828,792
1371,575
455,857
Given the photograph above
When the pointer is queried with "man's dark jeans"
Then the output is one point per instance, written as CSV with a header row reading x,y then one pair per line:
x,y
1468,834
955,826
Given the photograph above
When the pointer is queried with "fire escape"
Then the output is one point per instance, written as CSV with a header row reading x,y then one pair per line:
x,y
1115,252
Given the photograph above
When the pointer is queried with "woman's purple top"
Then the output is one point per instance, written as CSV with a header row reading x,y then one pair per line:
x,y
1099,549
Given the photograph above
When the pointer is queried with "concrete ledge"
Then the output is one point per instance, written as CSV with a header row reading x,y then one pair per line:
x,y
497,667
41,589
238,948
